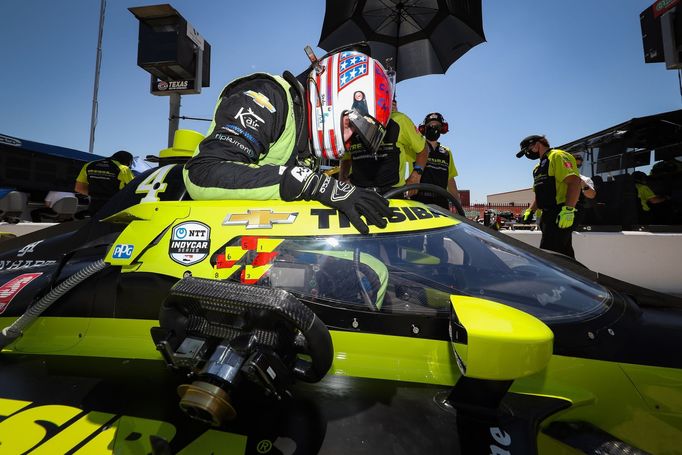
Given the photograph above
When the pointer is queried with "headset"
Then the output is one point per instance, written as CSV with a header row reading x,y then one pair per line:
x,y
437,117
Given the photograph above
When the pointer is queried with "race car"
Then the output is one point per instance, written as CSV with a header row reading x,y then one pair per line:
x,y
166,325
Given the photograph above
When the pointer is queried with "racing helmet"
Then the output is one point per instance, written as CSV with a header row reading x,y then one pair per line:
x,y
348,88
437,116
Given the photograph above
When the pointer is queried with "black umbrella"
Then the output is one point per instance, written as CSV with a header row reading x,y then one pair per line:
x,y
420,36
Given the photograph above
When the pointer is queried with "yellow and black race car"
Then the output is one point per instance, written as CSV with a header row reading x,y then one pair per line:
x,y
166,325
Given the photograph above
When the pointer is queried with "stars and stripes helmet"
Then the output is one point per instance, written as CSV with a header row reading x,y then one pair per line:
x,y
348,84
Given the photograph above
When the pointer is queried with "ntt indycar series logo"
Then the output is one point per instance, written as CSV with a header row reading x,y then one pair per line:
x,y
190,243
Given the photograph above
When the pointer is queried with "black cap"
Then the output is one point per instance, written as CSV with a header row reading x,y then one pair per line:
x,y
433,116
639,177
527,142
123,157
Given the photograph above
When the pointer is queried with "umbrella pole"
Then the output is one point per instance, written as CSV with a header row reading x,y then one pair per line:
x,y
397,39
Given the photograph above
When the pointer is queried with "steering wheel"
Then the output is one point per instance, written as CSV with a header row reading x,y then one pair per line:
x,y
260,307
427,187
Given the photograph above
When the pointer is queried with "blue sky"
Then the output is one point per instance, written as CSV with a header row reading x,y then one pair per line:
x,y
563,69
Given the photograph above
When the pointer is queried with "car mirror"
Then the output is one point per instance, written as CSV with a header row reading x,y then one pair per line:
x,y
494,341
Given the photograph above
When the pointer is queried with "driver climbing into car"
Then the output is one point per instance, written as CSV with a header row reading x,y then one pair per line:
x,y
268,131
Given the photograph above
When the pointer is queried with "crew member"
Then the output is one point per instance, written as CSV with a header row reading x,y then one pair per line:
x,y
668,166
440,168
655,209
556,184
101,179
258,145
385,168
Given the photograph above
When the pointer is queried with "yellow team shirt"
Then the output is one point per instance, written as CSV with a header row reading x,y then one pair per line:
x,y
410,143
125,175
452,169
644,193
561,165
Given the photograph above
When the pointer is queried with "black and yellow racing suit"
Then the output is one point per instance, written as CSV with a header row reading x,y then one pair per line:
x,y
253,137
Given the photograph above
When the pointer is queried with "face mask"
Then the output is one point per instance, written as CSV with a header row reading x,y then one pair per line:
x,y
432,133
531,155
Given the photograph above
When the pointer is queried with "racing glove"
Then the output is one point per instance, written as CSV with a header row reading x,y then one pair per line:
x,y
565,217
527,216
302,183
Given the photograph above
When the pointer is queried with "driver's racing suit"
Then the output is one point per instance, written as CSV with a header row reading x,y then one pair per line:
x,y
258,130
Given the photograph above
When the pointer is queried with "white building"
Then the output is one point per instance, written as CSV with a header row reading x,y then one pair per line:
x,y
517,197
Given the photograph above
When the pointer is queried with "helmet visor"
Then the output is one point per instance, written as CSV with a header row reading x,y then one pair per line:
x,y
367,129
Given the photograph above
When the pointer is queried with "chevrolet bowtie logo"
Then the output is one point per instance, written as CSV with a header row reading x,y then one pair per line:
x,y
261,100
259,219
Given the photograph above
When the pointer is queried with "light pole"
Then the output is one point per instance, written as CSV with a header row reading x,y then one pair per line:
x,y
98,64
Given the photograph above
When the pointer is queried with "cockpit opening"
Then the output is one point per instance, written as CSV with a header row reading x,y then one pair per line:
x,y
416,272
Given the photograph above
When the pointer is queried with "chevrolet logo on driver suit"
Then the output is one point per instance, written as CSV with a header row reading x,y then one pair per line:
x,y
261,100
259,219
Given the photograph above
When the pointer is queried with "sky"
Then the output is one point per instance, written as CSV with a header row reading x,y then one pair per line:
x,y
564,69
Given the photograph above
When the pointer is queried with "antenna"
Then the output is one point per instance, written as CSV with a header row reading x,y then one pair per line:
x,y
313,59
